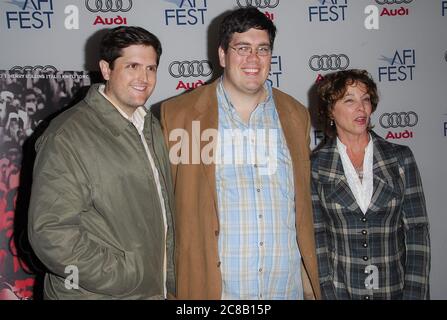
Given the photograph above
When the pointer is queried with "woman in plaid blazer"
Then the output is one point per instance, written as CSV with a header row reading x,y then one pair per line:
x,y
371,224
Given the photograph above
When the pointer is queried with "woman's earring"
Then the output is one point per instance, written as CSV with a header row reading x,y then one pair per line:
x,y
332,123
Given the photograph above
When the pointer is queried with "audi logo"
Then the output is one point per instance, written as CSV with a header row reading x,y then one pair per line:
x,y
108,5
33,69
263,4
393,1
327,62
398,119
193,68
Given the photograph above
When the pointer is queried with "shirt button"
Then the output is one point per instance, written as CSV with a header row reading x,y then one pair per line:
x,y
218,264
261,243
258,190
365,245
365,258
260,216
364,232
216,233
255,165
260,269
364,219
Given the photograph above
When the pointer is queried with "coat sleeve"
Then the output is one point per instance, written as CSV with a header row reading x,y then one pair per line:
x,y
417,238
61,194
321,243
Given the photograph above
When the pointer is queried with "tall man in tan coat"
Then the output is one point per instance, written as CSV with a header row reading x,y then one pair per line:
x,y
239,152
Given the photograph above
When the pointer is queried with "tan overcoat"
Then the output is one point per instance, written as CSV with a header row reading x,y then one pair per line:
x,y
196,215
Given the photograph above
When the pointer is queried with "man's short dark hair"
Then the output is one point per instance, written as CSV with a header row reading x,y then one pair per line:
x,y
242,20
122,37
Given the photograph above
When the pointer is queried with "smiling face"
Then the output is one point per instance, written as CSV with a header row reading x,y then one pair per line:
x,y
245,75
352,112
133,77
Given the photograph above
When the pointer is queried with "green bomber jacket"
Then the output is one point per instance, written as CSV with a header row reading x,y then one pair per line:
x,y
95,218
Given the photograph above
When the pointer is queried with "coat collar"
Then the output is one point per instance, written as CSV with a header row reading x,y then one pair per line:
x,y
111,117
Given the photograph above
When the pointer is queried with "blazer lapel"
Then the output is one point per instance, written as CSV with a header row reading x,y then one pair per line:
x,y
289,122
386,176
206,113
333,180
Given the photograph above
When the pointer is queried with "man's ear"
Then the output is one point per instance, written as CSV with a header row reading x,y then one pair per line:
x,y
222,54
105,69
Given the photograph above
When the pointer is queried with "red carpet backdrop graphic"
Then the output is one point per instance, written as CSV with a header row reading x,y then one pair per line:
x,y
28,99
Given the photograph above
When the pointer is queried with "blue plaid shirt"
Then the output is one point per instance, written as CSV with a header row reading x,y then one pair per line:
x,y
258,250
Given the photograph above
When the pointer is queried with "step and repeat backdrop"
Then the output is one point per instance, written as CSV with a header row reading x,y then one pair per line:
x,y
49,53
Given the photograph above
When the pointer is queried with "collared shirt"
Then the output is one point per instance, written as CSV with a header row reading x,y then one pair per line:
x,y
361,189
137,120
258,250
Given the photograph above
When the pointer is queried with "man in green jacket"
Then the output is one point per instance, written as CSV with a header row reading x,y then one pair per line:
x,y
100,216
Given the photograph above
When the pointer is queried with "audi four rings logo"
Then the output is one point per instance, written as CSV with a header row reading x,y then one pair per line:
x,y
393,1
398,119
327,62
193,68
263,4
32,69
108,5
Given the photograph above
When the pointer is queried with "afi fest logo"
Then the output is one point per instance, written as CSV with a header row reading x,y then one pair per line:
x,y
399,121
189,12
275,71
389,8
399,67
30,14
261,5
235,147
328,11
190,69
114,10
38,14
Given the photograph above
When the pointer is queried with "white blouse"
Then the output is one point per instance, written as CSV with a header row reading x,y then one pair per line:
x,y
361,189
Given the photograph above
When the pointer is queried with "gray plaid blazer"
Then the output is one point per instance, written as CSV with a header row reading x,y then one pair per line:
x,y
385,253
